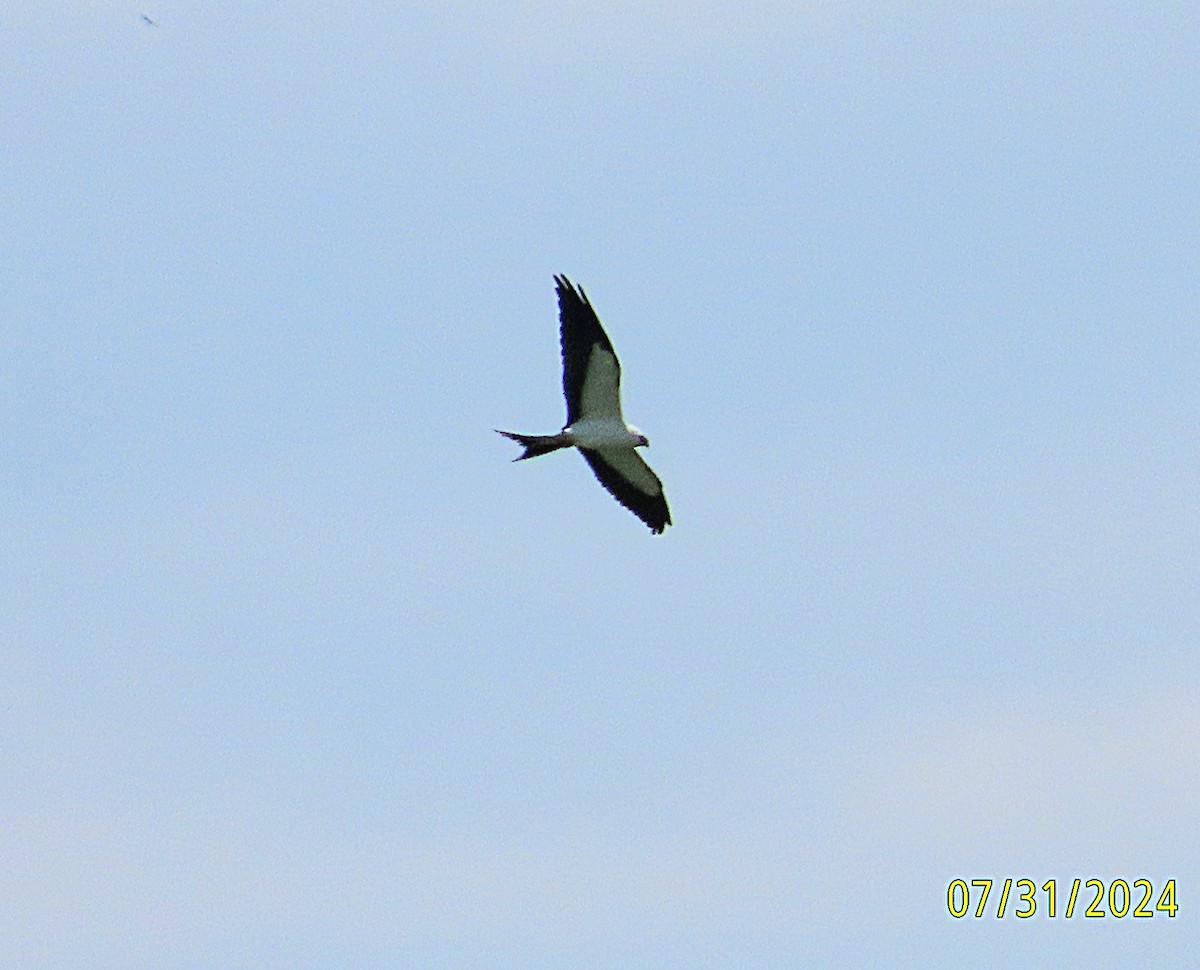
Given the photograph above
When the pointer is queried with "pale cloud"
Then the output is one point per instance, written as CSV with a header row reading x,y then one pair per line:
x,y
1107,782
1017,785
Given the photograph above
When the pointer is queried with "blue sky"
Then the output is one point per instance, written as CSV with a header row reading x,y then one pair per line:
x,y
300,671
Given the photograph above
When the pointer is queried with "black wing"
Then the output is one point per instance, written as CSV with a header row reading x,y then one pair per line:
x,y
632,483
581,331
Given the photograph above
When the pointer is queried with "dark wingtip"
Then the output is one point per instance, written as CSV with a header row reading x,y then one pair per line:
x,y
566,286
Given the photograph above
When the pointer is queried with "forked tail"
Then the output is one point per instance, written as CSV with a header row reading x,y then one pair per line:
x,y
537,444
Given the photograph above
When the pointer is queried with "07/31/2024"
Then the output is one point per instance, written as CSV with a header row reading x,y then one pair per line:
x,y
1085,897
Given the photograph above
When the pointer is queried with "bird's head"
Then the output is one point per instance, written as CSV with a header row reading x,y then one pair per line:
x,y
640,440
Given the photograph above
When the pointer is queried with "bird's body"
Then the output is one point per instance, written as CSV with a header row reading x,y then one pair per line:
x,y
592,387
604,433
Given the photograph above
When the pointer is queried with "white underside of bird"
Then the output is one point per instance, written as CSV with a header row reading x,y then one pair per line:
x,y
606,432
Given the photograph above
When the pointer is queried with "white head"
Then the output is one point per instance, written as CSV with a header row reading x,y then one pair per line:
x,y
642,440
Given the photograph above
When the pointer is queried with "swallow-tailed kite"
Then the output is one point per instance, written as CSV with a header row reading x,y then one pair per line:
x,y
592,386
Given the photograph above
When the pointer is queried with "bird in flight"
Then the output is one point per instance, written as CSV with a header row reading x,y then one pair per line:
x,y
152,23
592,386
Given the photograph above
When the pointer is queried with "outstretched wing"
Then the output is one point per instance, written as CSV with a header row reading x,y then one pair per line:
x,y
591,371
632,483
